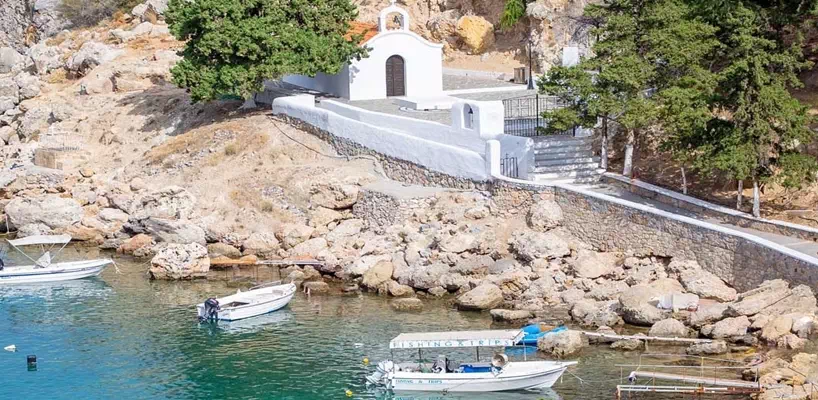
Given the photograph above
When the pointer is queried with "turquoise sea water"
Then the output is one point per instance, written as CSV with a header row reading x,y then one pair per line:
x,y
121,336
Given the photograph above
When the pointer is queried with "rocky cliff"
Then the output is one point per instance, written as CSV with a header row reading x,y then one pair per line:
x,y
24,22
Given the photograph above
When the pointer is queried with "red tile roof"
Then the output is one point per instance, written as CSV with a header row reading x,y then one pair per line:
x,y
367,31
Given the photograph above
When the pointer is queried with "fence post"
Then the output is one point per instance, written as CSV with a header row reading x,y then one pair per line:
x,y
537,120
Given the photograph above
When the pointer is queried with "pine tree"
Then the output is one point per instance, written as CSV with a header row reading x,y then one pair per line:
x,y
758,128
233,46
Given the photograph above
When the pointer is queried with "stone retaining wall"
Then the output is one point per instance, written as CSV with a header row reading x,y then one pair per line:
x,y
742,262
740,220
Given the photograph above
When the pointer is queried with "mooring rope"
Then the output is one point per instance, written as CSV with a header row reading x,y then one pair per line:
x,y
584,381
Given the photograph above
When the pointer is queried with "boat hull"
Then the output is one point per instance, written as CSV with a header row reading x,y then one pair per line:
x,y
516,376
54,273
268,305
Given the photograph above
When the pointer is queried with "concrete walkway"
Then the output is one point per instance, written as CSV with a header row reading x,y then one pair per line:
x,y
806,247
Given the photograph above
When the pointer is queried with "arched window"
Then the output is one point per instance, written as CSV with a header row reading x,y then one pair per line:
x,y
468,117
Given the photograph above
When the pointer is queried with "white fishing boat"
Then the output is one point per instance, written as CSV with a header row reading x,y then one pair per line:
x,y
258,300
44,269
445,375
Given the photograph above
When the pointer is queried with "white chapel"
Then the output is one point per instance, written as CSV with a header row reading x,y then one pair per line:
x,y
400,63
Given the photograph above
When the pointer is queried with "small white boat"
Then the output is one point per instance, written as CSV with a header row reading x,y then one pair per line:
x,y
258,300
446,375
44,269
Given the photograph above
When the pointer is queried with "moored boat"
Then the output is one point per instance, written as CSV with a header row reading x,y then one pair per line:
x,y
44,269
445,375
258,300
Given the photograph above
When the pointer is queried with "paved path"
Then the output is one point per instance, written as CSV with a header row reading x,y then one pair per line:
x,y
807,247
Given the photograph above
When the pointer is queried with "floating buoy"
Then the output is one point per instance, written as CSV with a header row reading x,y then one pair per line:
x,y
348,393
31,361
12,348
366,361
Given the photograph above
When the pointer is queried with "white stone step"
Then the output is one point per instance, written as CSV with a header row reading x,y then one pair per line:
x,y
564,149
566,167
565,175
543,142
545,160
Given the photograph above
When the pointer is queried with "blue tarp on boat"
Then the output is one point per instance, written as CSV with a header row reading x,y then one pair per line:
x,y
533,333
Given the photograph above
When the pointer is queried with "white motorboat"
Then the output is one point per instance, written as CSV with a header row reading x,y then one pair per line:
x,y
44,268
446,375
258,300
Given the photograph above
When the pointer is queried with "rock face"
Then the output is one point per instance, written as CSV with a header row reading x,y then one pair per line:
x,y
379,274
531,246
476,33
776,328
24,21
668,328
50,210
561,344
483,297
177,261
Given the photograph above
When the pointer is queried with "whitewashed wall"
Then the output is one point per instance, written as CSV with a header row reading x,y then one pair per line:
x,y
429,130
423,66
437,156
337,84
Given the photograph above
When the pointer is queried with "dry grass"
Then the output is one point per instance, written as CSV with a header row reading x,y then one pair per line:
x,y
192,141
251,198
56,76
231,149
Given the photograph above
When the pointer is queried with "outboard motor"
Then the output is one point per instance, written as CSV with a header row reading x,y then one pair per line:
x,y
211,310
381,374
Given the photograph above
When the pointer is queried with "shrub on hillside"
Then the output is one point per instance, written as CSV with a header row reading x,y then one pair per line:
x,y
91,12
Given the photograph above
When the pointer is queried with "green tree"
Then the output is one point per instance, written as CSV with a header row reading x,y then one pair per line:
x,y
233,46
758,128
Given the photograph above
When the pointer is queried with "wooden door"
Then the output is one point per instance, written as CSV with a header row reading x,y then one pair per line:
x,y
395,81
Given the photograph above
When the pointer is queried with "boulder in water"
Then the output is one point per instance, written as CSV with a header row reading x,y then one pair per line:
x,y
180,261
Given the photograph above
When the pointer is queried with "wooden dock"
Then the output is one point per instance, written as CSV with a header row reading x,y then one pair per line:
x,y
646,338
699,380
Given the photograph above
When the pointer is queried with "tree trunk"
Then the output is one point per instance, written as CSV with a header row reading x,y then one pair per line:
x,y
740,195
628,169
603,152
756,199
684,181
249,103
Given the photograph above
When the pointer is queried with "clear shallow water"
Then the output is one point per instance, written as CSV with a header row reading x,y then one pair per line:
x,y
123,336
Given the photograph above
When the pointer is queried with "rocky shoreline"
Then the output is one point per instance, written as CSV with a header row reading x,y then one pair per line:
x,y
515,260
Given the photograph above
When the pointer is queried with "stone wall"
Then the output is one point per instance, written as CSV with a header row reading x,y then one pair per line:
x,y
741,220
382,205
743,263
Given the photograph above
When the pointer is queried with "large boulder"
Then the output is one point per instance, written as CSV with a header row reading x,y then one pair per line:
x,y
561,344
151,10
476,32
46,58
9,94
180,261
753,301
776,328
596,313
50,210
292,235
502,315
334,195
29,85
530,246
173,231
483,297
260,243
222,250
801,300
171,202
707,314
407,304
458,243
347,228
10,60
545,215
706,285
92,54
35,121
638,306
311,248
592,265
668,328
427,276
379,274
729,327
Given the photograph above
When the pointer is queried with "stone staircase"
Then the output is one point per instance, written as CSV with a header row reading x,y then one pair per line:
x,y
564,159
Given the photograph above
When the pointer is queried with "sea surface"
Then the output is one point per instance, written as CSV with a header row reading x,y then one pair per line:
x,y
121,336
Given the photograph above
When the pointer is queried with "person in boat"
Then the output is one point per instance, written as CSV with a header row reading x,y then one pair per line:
x,y
2,264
